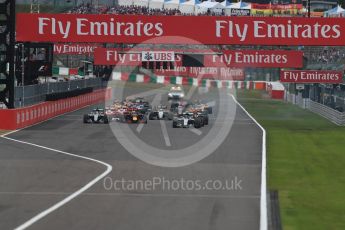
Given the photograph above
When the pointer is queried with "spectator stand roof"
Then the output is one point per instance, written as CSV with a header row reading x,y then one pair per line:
x,y
226,3
240,5
172,4
188,6
215,7
335,12
156,4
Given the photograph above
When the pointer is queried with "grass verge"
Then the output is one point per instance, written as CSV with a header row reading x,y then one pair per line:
x,y
305,159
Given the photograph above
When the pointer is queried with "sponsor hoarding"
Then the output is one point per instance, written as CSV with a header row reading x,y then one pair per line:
x,y
165,56
311,76
106,56
256,58
216,30
75,48
218,73
229,58
114,56
176,71
240,12
276,6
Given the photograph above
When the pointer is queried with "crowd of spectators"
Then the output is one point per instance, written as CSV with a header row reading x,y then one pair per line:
x,y
122,10
326,55
133,10
86,9
139,10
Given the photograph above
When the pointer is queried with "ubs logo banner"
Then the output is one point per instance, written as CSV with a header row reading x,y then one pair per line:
x,y
168,56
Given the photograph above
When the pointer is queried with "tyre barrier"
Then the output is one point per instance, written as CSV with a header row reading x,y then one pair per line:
x,y
68,94
12,119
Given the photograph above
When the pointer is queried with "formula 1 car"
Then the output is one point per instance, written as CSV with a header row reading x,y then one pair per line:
x,y
160,112
96,116
187,120
140,104
204,107
134,117
203,116
178,107
199,107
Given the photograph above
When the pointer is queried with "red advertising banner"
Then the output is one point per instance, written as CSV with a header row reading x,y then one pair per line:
x,y
106,56
219,73
311,76
75,48
256,58
177,71
165,29
261,6
287,6
114,56
276,6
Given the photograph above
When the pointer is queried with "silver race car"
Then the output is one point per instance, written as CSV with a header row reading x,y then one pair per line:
x,y
160,112
96,116
187,120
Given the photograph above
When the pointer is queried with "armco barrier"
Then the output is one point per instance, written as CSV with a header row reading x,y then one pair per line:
x,y
12,119
327,112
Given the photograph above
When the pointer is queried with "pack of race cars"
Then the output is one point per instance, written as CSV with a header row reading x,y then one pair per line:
x,y
183,114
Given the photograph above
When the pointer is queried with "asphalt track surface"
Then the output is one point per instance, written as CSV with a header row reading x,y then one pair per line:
x,y
33,179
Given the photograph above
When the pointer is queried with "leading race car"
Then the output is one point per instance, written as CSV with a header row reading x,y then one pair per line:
x,y
96,116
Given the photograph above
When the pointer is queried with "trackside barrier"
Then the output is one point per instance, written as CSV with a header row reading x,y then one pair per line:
x,y
327,112
12,119
140,78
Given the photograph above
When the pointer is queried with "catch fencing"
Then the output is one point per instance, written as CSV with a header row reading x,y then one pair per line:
x,y
34,94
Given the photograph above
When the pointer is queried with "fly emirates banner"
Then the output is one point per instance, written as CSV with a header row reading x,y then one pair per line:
x,y
205,29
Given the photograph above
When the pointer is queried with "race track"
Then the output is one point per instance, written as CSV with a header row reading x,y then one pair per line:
x,y
33,178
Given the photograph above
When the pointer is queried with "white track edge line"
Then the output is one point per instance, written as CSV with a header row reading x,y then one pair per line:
x,y
263,197
70,197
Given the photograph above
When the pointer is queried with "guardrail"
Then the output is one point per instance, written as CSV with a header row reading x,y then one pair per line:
x,y
34,94
29,115
327,112
323,110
